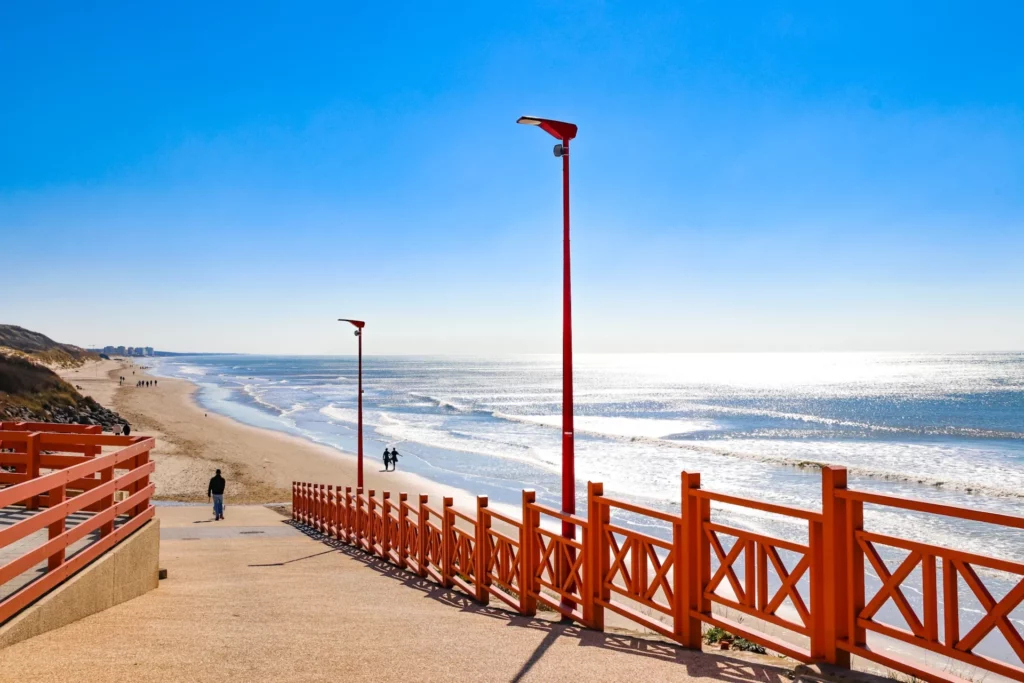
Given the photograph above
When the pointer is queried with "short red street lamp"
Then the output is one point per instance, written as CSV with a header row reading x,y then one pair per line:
x,y
359,325
564,132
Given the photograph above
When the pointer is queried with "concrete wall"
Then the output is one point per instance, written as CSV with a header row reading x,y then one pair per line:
x,y
127,570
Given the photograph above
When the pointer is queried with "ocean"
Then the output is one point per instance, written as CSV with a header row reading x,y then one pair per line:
x,y
946,428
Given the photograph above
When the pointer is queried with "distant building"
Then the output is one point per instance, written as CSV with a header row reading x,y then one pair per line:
x,y
121,351
148,351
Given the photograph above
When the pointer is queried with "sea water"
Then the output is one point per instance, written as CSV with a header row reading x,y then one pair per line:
x,y
946,428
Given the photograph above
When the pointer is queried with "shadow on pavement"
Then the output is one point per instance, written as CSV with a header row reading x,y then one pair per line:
x,y
705,664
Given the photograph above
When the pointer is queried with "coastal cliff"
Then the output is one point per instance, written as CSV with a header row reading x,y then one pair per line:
x,y
31,391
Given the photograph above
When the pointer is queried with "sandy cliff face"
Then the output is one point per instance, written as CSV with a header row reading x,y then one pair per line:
x,y
37,347
30,390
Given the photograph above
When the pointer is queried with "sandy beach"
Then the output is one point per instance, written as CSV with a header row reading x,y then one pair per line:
x,y
259,464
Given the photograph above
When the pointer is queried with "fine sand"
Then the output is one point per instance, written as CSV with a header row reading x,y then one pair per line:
x,y
259,464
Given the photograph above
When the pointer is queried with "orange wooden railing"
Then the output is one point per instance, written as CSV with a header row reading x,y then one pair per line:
x,y
680,581
57,471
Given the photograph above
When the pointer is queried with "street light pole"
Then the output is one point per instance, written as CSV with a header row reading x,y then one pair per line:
x,y
565,132
568,443
359,325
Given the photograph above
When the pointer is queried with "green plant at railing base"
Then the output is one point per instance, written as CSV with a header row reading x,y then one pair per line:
x,y
716,635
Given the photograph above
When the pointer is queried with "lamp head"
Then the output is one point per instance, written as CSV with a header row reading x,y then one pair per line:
x,y
559,129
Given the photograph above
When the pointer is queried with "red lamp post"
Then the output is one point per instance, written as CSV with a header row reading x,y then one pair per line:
x,y
359,325
564,132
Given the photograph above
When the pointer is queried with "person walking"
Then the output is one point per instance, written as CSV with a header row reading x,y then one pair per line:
x,y
394,459
216,491
387,458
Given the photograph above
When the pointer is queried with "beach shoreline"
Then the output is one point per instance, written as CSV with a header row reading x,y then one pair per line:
x,y
192,442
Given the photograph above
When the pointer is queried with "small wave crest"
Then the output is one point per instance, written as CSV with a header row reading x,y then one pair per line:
x,y
443,403
947,430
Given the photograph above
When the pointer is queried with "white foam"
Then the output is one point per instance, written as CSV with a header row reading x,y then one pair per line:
x,y
618,426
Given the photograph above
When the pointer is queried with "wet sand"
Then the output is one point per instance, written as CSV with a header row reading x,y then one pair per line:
x,y
259,464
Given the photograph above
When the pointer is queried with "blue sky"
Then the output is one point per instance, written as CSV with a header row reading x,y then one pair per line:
x,y
747,176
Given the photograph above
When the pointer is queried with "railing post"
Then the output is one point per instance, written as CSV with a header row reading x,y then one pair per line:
x,y
370,534
348,521
833,625
447,547
686,543
333,510
32,465
307,503
318,506
324,528
527,550
107,476
421,537
339,513
385,525
57,497
311,504
855,582
359,516
594,569
300,512
141,461
483,548
314,503
328,509
403,521
295,499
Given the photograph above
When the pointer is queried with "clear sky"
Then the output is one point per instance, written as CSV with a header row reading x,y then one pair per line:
x,y
747,176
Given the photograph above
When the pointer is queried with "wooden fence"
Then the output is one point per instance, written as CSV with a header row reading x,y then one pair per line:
x,y
49,473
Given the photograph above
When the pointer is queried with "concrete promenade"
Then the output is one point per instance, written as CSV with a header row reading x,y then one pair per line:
x,y
253,599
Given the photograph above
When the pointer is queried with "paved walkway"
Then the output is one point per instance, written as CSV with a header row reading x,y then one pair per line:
x,y
252,599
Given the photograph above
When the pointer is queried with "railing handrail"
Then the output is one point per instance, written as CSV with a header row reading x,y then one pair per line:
x,y
774,508
461,515
640,510
503,518
564,516
942,509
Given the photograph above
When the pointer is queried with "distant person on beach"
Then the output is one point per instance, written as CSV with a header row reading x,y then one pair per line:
x,y
387,458
394,459
216,491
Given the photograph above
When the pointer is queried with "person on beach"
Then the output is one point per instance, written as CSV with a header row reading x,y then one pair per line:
x,y
216,491
387,458
394,459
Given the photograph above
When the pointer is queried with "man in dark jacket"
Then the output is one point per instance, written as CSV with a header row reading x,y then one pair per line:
x,y
216,491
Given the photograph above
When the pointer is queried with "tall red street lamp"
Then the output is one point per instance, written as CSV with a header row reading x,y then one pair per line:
x,y
359,325
564,132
